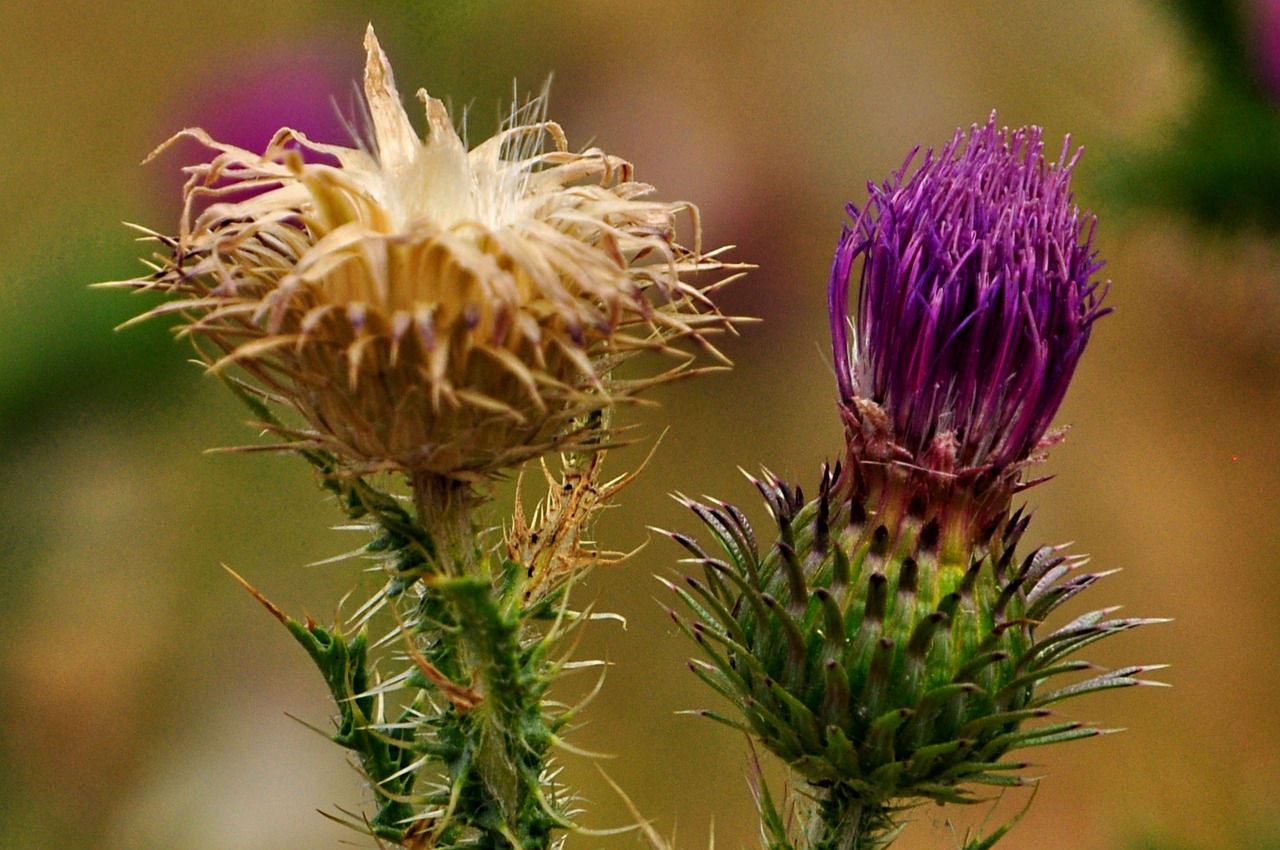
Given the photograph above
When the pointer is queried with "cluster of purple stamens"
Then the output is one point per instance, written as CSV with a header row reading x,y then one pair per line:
x,y
977,296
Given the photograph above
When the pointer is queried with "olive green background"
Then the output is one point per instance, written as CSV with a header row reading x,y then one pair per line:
x,y
143,694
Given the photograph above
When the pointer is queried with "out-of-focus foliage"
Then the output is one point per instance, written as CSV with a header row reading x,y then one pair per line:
x,y
1258,840
51,368
1218,163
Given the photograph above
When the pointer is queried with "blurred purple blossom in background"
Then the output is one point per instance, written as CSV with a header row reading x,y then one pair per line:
x,y
1265,18
244,100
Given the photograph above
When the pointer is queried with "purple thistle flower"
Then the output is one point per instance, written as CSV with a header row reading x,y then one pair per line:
x,y
1266,44
976,301
886,642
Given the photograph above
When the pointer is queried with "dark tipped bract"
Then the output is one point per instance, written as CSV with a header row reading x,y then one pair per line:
x,y
870,667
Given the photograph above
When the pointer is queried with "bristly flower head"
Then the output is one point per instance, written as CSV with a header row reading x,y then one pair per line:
x,y
977,299
887,642
430,309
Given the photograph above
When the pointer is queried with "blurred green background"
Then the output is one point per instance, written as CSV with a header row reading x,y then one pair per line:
x,y
143,695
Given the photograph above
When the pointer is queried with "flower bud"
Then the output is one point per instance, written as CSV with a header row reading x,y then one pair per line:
x,y
977,299
888,641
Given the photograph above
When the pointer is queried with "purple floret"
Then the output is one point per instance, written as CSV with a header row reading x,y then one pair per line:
x,y
977,295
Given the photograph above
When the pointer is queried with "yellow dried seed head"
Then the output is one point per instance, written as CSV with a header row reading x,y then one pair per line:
x,y
428,309
553,545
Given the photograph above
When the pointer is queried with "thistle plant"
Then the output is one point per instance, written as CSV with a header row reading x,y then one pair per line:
x,y
418,320
888,640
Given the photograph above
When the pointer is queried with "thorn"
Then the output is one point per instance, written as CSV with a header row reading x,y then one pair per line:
x,y
271,607
656,841
463,698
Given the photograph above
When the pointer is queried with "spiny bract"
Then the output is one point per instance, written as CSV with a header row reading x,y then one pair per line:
x,y
855,653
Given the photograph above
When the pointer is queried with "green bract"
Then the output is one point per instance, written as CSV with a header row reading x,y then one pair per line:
x,y
867,662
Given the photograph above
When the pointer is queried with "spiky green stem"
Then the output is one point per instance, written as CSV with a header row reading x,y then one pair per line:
x,y
481,665
470,626
471,715
508,737
841,820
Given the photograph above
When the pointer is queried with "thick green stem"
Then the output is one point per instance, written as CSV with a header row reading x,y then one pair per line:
x,y
841,820
445,507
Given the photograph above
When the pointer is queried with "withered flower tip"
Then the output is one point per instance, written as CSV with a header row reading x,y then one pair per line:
x,y
977,298
430,309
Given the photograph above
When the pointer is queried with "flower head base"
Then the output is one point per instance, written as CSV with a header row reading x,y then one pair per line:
x,y
977,299
432,310
881,676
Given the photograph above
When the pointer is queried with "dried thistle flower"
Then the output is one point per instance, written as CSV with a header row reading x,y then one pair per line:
x,y
431,310
554,545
